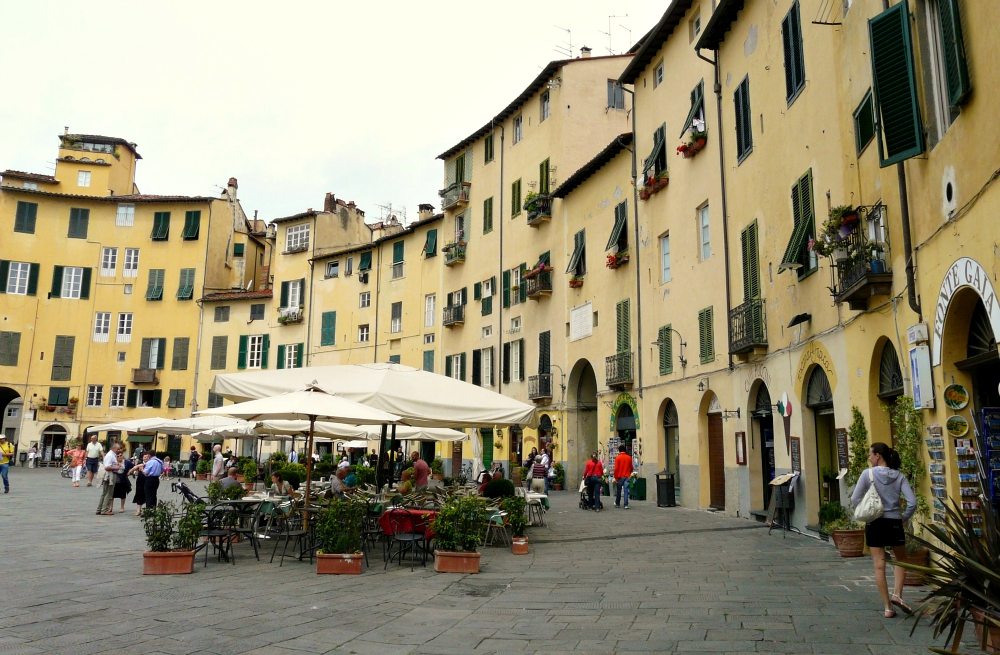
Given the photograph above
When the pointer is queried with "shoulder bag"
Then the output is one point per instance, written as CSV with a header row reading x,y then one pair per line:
x,y
870,507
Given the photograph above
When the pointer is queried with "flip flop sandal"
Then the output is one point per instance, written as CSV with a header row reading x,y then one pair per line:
x,y
898,602
889,614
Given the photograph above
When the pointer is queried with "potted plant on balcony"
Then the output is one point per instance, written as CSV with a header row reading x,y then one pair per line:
x,y
617,259
338,537
201,471
837,227
458,531
518,521
530,202
171,545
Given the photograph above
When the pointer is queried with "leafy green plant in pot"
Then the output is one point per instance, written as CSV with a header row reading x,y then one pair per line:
x,y
835,229
964,580
171,541
498,489
249,470
437,468
514,506
458,531
214,491
847,535
202,469
339,533
560,478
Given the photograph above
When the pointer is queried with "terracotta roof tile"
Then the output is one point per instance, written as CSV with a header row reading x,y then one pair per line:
x,y
35,177
238,295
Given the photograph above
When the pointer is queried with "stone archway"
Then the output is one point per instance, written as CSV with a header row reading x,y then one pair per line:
x,y
760,445
581,428
969,353
670,433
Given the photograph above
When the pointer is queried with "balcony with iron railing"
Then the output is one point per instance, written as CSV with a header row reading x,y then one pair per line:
x,y
539,209
861,270
618,370
747,327
453,315
289,315
455,195
540,387
454,253
144,376
539,284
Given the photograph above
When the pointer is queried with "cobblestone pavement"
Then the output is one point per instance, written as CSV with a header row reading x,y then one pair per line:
x,y
649,579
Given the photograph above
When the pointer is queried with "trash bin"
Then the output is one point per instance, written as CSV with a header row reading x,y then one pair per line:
x,y
665,490
637,489
23,458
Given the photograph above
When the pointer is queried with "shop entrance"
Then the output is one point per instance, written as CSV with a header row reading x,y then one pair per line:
x,y
487,436
544,432
53,439
427,451
516,445
819,398
625,429
456,458
671,446
982,363
716,463
764,427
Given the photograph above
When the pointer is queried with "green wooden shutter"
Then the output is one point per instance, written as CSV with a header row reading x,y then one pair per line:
x,y
24,220
543,177
161,226
520,359
477,291
461,375
144,353
79,220
57,276
743,122
894,83
264,347
477,368
281,357
328,330
666,351
488,215
219,347
803,219
506,288
515,198
429,361
365,263
62,358
85,284
430,246
161,356
298,354
397,252
4,274
751,267
621,220
505,371
238,249
284,294
241,361
791,38
157,398
706,336
131,397
192,225
179,362
33,271
623,328
544,352
697,101
954,53
523,288
447,366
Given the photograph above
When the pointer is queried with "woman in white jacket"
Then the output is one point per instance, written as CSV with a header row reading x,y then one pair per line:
x,y
887,530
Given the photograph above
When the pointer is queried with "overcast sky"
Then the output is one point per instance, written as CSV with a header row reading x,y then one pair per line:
x,y
292,98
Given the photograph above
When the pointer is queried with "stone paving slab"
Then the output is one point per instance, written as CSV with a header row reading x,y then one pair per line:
x,y
650,580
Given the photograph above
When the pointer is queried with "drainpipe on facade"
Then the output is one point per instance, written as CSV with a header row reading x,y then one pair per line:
x,y
201,315
373,333
499,215
904,214
312,271
638,285
725,204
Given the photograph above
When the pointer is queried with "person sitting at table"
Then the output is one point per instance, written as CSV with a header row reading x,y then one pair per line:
x,y
337,485
279,486
230,479
350,480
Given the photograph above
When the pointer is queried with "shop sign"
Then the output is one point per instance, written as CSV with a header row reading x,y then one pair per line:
x,y
920,370
624,399
965,272
796,454
815,353
842,458
741,448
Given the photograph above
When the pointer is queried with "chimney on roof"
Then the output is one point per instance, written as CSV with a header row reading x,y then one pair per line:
x,y
585,52
330,203
231,187
65,129
232,183
424,211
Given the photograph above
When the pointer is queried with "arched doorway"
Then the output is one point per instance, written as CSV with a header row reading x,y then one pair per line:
x,y
53,440
715,450
890,383
763,427
819,398
624,428
582,419
672,445
982,362
11,414
544,432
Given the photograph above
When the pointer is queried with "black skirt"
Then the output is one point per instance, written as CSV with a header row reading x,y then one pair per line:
x,y
885,533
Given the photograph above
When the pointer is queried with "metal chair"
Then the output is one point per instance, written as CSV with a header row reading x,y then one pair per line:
x,y
408,533
219,526
496,523
248,525
290,526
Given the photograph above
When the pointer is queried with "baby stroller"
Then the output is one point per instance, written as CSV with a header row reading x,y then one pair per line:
x,y
185,491
585,501
67,469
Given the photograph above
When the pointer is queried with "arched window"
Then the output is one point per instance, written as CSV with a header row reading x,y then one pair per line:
x,y
890,377
818,394
762,405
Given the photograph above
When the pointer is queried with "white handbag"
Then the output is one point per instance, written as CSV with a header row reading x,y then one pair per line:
x,y
870,507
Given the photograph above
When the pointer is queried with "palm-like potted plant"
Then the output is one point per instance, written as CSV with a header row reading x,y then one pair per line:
x,y
514,506
171,541
458,531
339,533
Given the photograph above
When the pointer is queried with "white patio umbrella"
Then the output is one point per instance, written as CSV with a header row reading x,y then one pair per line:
x,y
199,424
134,425
311,402
477,454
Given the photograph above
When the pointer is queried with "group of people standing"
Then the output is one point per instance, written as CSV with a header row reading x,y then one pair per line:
x,y
112,472
540,467
593,478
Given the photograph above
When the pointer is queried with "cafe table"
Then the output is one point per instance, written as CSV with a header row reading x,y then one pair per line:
x,y
403,519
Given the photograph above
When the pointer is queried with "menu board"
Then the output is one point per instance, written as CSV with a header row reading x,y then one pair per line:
x,y
842,456
796,454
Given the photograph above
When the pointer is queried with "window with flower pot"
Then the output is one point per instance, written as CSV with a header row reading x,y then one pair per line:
x,y
297,238
797,256
619,237
95,395
58,396
578,260
693,129
655,164
430,243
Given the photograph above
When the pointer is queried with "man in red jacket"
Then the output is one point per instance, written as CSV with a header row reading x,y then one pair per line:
x,y
623,471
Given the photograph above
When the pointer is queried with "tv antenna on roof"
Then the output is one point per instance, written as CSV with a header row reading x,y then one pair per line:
x,y
608,33
566,50
388,212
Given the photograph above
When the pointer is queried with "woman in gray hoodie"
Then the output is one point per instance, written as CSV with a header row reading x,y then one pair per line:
x,y
887,530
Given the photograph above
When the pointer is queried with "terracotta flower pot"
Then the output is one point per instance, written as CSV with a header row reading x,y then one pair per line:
x,y
438,476
920,558
557,486
239,478
248,486
339,564
850,543
201,476
519,545
168,563
992,629
448,562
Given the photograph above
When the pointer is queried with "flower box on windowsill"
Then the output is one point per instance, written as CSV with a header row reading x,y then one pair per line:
x,y
653,185
617,260
691,149
575,283
292,251
288,316
534,272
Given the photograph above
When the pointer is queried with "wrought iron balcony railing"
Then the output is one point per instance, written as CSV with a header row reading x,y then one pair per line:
x,y
455,194
861,270
618,369
453,315
540,386
454,253
539,284
747,327
539,208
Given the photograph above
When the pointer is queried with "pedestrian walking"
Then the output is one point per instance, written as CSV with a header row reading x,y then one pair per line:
x,y
539,474
6,457
218,464
193,459
32,457
58,455
166,467
124,486
547,463
108,476
593,477
622,472
293,457
95,452
78,459
887,530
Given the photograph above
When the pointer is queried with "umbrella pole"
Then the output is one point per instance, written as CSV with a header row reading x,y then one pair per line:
x,y
380,465
395,445
309,468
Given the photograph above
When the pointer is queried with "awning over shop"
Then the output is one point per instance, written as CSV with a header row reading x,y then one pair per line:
x,y
139,438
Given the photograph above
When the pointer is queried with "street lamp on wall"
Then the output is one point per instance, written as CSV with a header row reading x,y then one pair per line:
x,y
703,384
680,341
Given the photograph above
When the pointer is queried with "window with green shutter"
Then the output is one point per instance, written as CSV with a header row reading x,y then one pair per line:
x,y
185,290
515,198
238,249
706,336
214,400
578,260
62,358
797,256
10,346
622,327
175,398
161,226
430,244
666,346
241,359
79,221
697,110
477,291
522,289
488,148
543,177
544,352
179,362
429,361
24,219
397,252
743,120
154,291
58,396
894,86
220,348
192,225
656,163
506,289
619,232
394,359
952,43
328,329
864,123
791,38
751,263
366,261
488,215
281,356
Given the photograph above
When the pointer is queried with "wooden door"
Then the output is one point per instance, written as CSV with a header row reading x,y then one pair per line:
x,y
456,458
716,463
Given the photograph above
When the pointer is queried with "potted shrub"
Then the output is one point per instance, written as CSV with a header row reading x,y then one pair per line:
x,y
339,531
828,513
171,545
907,428
838,226
214,491
437,469
560,477
498,489
848,537
518,521
249,474
458,531
964,580
201,471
